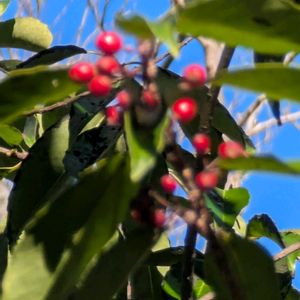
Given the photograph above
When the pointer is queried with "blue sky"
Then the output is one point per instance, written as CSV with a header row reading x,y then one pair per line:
x,y
272,194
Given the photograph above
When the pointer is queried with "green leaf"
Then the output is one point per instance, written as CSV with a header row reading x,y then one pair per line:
x,y
45,166
51,56
291,237
263,163
163,29
144,146
25,33
263,226
9,64
293,294
3,6
266,78
24,89
27,276
113,267
201,288
10,135
55,224
226,205
111,209
249,270
268,26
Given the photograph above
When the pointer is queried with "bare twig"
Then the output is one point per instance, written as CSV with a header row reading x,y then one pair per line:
x,y
94,10
13,153
55,105
245,117
260,127
287,251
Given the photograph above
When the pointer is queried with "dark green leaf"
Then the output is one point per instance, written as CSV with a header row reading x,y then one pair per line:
x,y
144,146
26,33
263,226
23,89
268,26
11,135
293,294
3,257
263,163
45,166
266,78
110,210
9,64
165,257
249,270
113,267
51,56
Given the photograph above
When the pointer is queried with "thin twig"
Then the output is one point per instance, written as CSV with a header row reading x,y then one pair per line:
x,y
289,118
55,105
255,105
94,10
103,17
13,153
287,251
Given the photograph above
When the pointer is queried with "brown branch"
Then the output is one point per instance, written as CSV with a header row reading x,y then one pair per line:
x,y
287,251
13,153
55,105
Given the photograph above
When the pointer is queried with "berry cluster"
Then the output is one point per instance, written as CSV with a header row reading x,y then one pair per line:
x,y
206,179
99,76
145,212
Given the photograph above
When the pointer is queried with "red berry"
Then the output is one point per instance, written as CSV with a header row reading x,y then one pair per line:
x,y
231,149
185,109
100,85
201,143
124,99
149,98
158,218
109,42
82,72
195,74
108,65
168,183
206,180
136,215
113,116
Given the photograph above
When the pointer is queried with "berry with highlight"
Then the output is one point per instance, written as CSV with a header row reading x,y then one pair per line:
x,y
100,85
109,42
82,72
168,183
195,74
202,143
108,65
185,109
231,149
206,180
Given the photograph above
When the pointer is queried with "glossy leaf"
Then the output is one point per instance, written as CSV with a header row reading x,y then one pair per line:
x,y
45,166
226,205
3,6
10,135
24,89
113,267
263,226
101,225
268,26
249,270
263,163
266,78
144,147
163,29
51,56
25,33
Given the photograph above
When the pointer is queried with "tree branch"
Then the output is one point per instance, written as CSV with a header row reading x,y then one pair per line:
x,y
13,153
287,251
